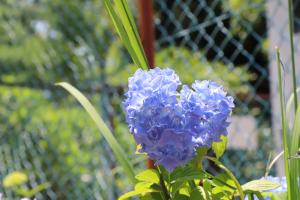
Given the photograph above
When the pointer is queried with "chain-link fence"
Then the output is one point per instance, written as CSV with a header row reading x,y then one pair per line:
x,y
225,41
46,134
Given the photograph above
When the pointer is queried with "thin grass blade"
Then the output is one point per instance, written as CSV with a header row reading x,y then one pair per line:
x,y
122,32
290,103
269,166
130,27
295,163
291,31
107,134
284,127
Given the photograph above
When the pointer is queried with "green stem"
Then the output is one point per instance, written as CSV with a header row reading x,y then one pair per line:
x,y
219,180
230,174
284,126
163,185
291,30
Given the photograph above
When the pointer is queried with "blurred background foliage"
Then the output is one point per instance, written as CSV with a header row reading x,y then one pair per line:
x,y
43,131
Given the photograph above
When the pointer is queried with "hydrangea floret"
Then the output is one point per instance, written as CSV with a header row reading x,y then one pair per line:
x,y
168,124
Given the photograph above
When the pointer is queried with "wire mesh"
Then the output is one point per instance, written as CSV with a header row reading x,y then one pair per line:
x,y
232,34
45,134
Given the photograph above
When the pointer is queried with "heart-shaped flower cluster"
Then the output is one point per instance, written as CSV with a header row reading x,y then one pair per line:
x,y
170,125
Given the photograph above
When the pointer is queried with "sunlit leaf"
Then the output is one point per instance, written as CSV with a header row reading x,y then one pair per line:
x,y
113,143
230,174
260,185
186,174
149,175
15,178
220,147
136,193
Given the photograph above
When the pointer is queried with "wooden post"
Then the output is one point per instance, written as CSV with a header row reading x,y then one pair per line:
x,y
146,28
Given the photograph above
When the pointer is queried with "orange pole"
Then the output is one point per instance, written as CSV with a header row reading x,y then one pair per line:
x,y
146,28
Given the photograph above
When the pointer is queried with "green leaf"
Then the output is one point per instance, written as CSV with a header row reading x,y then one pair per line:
x,y
207,188
252,193
270,165
224,183
129,25
176,186
186,174
135,193
290,103
15,178
143,185
149,175
260,185
181,197
201,152
295,163
121,32
285,128
258,195
219,193
220,147
113,143
126,28
152,196
197,161
279,196
230,174
198,194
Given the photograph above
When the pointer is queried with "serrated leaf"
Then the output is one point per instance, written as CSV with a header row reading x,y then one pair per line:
x,y
220,147
207,190
224,183
143,185
187,174
152,196
260,185
135,193
181,197
176,186
230,174
149,175
198,194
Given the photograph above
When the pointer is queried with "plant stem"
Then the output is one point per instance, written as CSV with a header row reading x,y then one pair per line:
x,y
230,174
163,185
284,126
219,180
291,30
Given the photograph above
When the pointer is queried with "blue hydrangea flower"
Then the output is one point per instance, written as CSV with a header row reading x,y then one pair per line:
x,y
168,128
206,108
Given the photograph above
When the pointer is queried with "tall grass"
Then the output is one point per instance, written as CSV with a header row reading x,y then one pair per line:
x,y
291,137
